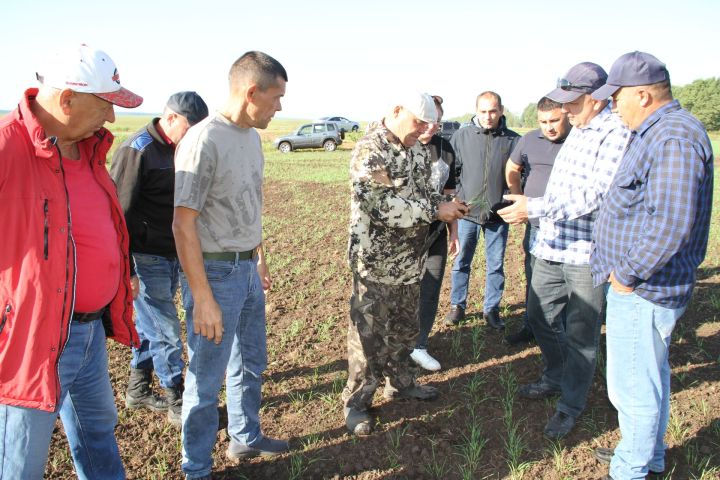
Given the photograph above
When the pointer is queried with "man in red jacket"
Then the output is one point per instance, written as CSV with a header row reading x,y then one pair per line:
x,y
64,270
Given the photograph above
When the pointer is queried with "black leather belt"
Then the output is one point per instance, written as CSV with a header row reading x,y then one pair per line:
x,y
80,317
230,256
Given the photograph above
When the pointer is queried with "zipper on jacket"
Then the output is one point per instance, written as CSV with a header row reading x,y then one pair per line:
x,y
64,341
45,230
7,310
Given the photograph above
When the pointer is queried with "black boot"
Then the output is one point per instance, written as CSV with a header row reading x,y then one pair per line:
x,y
140,395
174,398
524,335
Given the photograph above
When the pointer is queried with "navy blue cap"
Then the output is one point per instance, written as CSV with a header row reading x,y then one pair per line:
x,y
188,104
585,77
630,70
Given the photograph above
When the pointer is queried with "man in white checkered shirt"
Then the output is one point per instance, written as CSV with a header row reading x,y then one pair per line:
x,y
563,306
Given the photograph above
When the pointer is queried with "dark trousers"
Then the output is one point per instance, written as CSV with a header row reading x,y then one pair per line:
x,y
561,291
528,240
430,287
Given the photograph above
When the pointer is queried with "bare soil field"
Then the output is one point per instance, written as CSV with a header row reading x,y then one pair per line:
x,y
477,429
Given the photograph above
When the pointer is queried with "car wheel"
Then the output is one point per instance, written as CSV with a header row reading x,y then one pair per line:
x,y
329,145
285,147
355,128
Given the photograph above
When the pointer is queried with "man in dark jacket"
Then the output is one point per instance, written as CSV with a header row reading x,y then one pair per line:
x,y
482,150
144,172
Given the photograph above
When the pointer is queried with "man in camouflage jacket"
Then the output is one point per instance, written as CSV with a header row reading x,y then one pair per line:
x,y
392,206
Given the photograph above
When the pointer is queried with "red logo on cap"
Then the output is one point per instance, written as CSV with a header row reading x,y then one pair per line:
x,y
116,77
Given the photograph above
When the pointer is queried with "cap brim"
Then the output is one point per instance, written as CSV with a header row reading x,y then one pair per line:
x,y
564,96
122,98
604,92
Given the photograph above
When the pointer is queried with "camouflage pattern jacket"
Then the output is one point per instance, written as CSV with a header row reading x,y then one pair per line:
x,y
391,208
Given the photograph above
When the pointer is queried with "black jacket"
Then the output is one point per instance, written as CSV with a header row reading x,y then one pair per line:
x,y
144,173
480,157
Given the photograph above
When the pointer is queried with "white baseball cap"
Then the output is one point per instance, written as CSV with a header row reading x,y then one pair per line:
x,y
419,104
86,70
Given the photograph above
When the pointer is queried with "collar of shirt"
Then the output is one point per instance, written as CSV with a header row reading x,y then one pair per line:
x,y
657,115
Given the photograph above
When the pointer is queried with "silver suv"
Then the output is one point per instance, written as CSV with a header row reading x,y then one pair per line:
x,y
312,135
343,123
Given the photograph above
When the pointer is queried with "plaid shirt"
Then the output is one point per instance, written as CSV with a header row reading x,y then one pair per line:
x,y
582,173
652,231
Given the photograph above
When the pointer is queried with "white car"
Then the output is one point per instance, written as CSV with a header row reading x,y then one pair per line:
x,y
344,125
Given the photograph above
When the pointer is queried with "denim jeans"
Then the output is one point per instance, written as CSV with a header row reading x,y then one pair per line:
x,y
495,241
565,315
240,359
531,232
156,319
430,287
87,410
638,379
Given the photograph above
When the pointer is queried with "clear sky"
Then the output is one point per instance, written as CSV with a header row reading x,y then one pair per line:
x,y
346,57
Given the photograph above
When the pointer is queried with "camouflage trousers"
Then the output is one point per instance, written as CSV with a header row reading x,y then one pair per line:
x,y
381,335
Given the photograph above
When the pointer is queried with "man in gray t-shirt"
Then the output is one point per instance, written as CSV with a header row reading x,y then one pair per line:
x,y
218,234
532,160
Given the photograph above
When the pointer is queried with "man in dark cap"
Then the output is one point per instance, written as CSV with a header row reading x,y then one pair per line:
x,y
144,172
649,238
568,306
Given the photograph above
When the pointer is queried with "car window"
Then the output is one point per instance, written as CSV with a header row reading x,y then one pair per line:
x,y
331,127
318,128
334,119
305,130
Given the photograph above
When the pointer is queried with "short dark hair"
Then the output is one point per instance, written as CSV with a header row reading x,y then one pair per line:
x,y
663,90
259,67
489,93
545,105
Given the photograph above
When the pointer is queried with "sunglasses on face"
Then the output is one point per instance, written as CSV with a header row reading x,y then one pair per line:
x,y
567,85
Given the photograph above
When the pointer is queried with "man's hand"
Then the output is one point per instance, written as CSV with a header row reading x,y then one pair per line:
x,y
619,287
134,286
517,212
450,211
207,320
264,273
453,247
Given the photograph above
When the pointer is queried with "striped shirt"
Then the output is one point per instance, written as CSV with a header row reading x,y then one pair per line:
x,y
652,231
583,171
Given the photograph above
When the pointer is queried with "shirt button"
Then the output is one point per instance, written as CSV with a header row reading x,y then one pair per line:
x,y
62,229
59,290
52,349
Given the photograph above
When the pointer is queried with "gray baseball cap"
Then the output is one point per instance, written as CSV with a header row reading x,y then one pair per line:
x,y
188,104
630,70
585,77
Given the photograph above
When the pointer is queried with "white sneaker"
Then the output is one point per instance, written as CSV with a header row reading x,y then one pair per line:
x,y
423,358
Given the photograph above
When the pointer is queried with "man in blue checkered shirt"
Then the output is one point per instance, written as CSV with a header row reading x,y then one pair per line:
x,y
564,307
649,238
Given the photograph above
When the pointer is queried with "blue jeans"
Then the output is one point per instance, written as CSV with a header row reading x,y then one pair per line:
x,y
156,319
87,410
240,359
495,241
638,379
565,317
